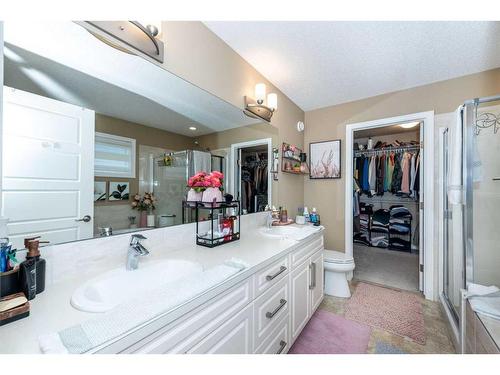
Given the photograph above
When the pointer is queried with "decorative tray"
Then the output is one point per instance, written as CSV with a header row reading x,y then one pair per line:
x,y
279,223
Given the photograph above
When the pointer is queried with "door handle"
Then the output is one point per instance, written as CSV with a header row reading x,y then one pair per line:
x,y
85,219
313,276
269,314
281,270
282,346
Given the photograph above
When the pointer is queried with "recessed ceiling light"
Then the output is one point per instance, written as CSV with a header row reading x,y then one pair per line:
x,y
410,125
192,128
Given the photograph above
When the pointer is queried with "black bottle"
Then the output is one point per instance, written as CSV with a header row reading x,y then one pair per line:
x,y
28,278
32,244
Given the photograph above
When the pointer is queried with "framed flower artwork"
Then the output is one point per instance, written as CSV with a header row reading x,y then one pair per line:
x,y
324,160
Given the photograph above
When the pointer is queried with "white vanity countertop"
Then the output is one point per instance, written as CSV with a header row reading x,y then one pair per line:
x,y
51,310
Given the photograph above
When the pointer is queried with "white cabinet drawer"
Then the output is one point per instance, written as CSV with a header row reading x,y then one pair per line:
x,y
278,342
269,309
233,337
306,250
271,275
179,337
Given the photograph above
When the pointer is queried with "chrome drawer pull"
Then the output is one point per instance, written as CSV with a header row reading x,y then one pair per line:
x,y
270,277
282,347
271,314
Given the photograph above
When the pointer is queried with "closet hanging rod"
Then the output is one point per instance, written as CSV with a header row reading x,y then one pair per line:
x,y
387,149
402,200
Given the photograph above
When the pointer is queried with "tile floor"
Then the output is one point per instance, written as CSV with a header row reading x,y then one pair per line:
x,y
438,340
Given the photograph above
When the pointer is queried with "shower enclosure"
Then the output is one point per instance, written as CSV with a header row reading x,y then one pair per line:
x,y
482,190
169,179
470,239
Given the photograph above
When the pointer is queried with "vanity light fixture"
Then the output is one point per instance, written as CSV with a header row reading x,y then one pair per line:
x,y
141,36
261,107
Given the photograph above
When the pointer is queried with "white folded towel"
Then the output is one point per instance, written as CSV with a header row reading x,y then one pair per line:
x,y
52,344
127,316
484,299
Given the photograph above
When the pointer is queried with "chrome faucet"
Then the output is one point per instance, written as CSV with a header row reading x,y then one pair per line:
x,y
135,250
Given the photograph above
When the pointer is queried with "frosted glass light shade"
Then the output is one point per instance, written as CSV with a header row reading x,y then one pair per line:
x,y
272,101
260,92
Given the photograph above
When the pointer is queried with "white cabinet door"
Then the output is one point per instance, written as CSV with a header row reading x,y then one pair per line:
x,y
300,299
47,168
233,337
316,287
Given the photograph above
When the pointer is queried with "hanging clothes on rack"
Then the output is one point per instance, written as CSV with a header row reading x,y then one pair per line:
x,y
254,180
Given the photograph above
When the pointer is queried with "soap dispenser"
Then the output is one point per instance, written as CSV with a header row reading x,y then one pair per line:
x,y
33,255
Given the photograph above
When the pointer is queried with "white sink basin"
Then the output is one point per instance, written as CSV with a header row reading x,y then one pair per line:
x,y
283,231
116,286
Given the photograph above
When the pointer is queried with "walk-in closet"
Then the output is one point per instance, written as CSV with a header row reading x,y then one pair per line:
x,y
387,189
254,178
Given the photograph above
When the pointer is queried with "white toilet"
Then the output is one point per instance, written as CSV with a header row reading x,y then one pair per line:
x,y
336,268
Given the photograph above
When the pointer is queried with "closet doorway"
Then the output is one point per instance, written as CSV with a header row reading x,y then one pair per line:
x,y
386,221
252,182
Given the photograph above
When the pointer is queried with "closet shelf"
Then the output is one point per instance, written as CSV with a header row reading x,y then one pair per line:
x,y
292,172
415,147
290,158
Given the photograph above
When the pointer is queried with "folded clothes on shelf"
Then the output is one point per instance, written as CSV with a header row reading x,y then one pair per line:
x,y
399,244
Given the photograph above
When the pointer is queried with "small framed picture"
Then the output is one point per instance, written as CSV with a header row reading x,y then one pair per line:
x,y
100,191
118,191
324,160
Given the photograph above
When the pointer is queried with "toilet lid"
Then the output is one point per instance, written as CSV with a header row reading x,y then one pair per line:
x,y
332,256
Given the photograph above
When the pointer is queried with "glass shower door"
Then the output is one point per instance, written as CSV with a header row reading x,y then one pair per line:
x,y
483,164
169,187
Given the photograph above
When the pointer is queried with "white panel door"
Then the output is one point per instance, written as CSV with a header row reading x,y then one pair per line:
x,y
47,168
300,281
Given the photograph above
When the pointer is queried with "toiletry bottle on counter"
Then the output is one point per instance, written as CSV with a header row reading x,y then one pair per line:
x,y
283,215
227,228
4,250
306,214
33,268
313,216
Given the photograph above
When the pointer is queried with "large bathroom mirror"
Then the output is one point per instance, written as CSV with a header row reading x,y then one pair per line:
x,y
97,141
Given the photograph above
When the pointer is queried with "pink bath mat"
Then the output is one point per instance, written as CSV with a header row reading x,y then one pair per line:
x,y
394,311
327,333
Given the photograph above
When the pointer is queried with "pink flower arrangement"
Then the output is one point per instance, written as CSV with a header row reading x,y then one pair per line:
x,y
201,181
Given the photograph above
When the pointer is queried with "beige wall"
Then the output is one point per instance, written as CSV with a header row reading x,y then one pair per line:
x,y
329,123
226,138
196,54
